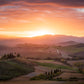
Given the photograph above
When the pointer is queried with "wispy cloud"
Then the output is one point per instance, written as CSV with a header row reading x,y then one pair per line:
x,y
72,3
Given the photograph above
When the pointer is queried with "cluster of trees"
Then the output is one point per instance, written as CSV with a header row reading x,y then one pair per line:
x,y
10,56
53,73
48,75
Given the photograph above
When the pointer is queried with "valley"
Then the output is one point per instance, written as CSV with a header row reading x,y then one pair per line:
x,y
43,59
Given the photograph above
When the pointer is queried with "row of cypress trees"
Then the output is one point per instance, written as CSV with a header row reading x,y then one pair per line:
x,y
10,56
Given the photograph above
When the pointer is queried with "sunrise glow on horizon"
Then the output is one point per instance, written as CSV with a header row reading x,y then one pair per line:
x,y
30,18
39,33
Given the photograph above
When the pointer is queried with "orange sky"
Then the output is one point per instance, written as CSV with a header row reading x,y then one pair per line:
x,y
26,18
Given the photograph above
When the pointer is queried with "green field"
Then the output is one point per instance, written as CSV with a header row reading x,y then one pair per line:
x,y
51,65
12,68
73,48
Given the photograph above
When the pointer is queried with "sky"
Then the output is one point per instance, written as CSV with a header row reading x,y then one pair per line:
x,y
28,18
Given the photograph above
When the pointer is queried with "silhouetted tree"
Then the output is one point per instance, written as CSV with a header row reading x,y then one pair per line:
x,y
8,56
18,55
51,72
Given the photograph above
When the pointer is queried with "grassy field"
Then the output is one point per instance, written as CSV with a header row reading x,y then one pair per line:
x,y
69,75
51,65
13,68
73,62
73,48
51,61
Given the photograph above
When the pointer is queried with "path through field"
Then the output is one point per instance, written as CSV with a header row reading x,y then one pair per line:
x,y
38,70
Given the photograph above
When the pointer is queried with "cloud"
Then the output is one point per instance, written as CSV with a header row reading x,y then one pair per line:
x,y
66,3
28,10
71,3
24,21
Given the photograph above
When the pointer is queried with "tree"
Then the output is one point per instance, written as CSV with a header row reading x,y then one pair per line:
x,y
18,55
8,56
51,72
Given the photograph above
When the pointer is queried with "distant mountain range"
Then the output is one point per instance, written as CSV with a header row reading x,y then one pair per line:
x,y
46,39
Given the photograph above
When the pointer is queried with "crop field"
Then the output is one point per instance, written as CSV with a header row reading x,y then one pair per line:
x,y
73,48
51,61
51,65
75,61
71,75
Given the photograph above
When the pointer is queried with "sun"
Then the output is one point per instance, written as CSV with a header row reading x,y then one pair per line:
x,y
39,33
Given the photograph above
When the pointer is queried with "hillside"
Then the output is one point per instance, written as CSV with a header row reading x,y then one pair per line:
x,y
33,51
75,50
2,47
13,68
46,39
68,43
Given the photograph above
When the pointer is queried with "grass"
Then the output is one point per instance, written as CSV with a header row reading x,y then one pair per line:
x,y
54,65
46,77
10,69
72,49
50,60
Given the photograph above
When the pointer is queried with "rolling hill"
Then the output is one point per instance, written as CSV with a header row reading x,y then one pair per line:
x,y
13,68
76,51
68,43
47,39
